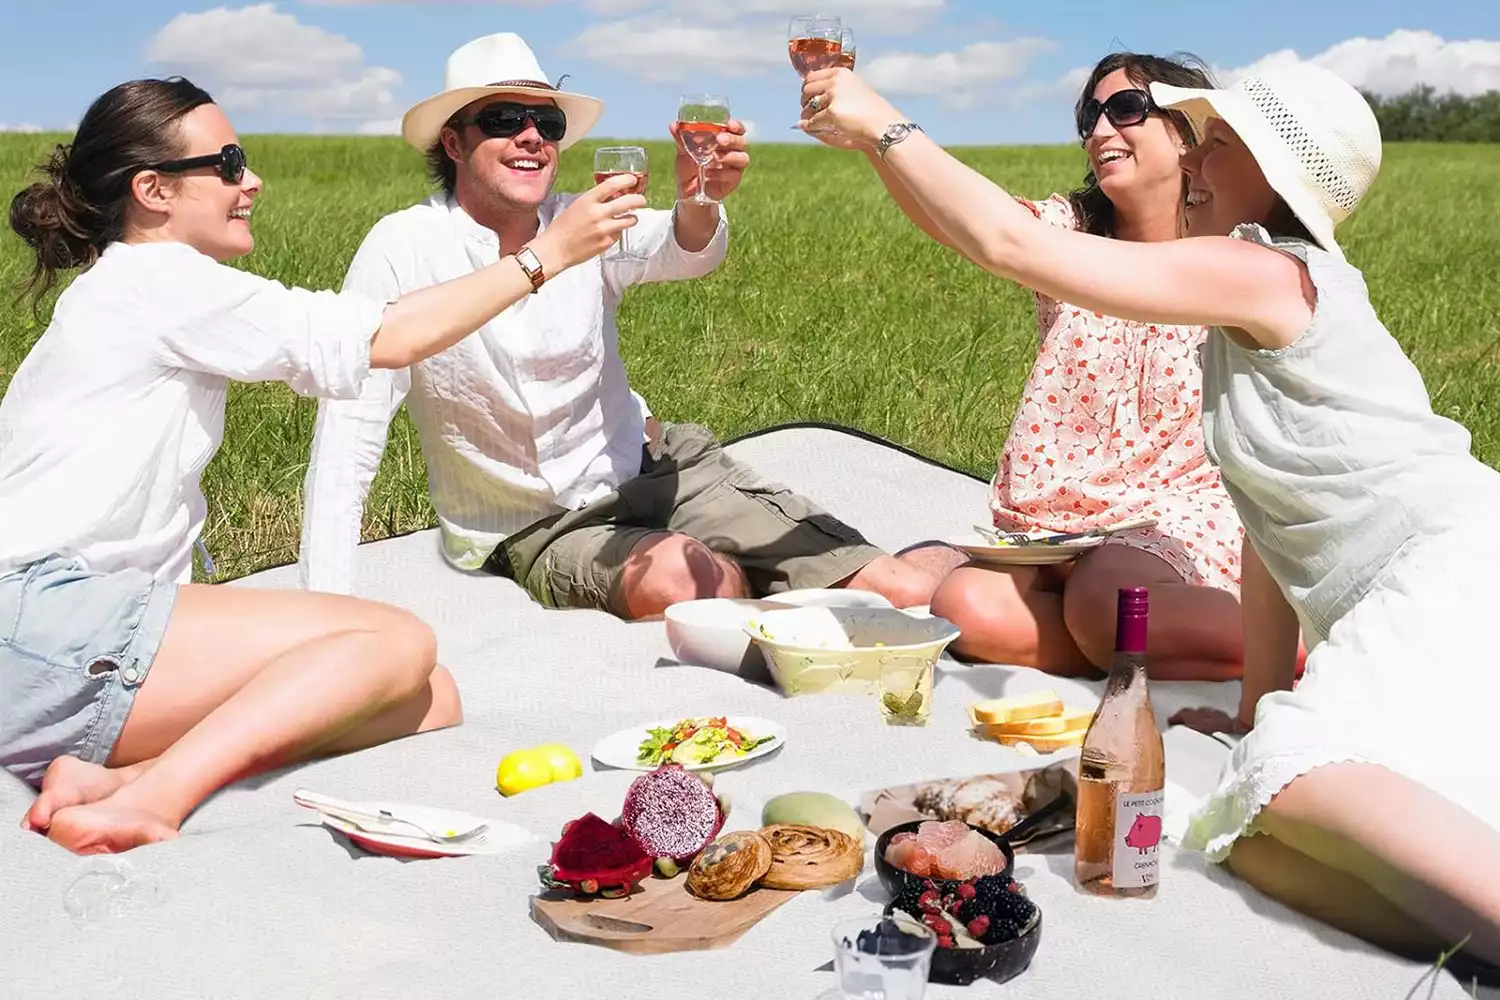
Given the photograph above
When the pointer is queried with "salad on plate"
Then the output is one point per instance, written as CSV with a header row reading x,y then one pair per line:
x,y
696,741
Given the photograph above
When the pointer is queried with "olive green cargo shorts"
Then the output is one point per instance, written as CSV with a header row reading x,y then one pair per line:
x,y
780,540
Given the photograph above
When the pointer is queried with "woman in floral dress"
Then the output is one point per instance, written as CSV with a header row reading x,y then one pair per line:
x,y
1108,431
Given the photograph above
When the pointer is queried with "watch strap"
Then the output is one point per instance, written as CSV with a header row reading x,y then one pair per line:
x,y
894,134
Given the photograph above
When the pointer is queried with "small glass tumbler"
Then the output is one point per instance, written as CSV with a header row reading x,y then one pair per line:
x,y
877,959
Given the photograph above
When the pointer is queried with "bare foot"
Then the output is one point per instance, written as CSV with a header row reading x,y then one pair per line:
x,y
72,782
102,828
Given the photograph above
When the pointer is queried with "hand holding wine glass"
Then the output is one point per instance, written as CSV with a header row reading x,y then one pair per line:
x,y
617,161
590,225
711,149
837,100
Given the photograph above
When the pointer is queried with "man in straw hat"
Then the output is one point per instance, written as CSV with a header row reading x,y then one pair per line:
x,y
539,464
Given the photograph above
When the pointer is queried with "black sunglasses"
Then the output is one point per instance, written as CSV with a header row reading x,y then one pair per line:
x,y
506,119
1123,108
230,161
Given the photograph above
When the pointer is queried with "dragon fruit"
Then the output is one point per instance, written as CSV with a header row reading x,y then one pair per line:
x,y
671,813
593,856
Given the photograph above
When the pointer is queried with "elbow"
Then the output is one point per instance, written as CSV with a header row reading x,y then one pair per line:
x,y
1001,254
392,355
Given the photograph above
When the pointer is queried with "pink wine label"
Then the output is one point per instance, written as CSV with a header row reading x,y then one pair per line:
x,y
1137,838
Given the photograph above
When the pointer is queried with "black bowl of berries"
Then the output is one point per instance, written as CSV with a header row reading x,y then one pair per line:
x,y
912,854
987,927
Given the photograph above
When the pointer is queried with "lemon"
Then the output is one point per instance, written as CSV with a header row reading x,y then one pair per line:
x,y
523,770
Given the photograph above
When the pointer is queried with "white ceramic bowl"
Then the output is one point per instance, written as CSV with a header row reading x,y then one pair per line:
x,y
711,633
818,650
835,597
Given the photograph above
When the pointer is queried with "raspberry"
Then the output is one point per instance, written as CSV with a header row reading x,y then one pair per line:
x,y
967,891
937,923
978,926
927,902
944,941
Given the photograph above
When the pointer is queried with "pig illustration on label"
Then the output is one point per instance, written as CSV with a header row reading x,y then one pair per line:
x,y
1145,832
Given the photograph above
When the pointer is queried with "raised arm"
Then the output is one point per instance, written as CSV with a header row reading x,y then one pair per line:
x,y
1212,280
1272,633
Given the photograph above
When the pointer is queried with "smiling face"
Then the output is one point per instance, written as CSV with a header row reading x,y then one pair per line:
x,y
197,206
1131,159
1225,184
513,173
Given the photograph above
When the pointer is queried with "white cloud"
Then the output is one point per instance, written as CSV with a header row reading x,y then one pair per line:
x,y
664,50
26,127
873,16
258,59
1400,61
958,78
383,126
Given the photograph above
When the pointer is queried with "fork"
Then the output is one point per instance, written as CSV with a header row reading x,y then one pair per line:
x,y
475,834
996,536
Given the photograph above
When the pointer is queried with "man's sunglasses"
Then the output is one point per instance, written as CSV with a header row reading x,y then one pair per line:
x,y
1124,107
230,162
507,119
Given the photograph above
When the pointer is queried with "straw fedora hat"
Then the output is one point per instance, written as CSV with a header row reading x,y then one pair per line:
x,y
1313,135
495,64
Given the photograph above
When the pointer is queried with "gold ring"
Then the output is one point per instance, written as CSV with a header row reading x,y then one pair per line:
x,y
816,103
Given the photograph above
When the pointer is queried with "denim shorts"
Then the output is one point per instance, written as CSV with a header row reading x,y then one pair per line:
x,y
75,647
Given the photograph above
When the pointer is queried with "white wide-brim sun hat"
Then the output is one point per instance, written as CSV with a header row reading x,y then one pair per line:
x,y
492,66
1313,135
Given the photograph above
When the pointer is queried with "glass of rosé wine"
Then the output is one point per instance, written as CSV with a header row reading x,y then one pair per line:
x,y
814,42
700,120
612,161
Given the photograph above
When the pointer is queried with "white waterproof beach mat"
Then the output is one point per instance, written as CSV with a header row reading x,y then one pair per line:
x,y
257,900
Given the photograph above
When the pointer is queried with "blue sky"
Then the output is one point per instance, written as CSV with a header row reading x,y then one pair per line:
x,y
971,72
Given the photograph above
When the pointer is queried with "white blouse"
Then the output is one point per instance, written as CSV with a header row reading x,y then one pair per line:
x,y
110,420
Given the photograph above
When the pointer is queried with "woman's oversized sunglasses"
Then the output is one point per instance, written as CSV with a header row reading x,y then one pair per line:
x,y
230,162
1123,108
506,119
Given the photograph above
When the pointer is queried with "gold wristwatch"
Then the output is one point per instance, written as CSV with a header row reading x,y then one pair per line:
x,y
529,262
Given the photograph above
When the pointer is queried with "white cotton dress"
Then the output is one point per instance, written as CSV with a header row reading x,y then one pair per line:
x,y
1384,533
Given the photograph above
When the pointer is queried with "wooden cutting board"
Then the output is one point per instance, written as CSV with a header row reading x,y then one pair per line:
x,y
661,916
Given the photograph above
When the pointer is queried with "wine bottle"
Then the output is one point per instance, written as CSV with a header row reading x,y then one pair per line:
x,y
1122,773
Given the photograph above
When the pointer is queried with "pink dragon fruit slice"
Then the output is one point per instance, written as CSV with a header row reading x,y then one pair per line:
x,y
671,813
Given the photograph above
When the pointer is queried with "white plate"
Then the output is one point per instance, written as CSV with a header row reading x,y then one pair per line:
x,y
620,749
1027,555
499,838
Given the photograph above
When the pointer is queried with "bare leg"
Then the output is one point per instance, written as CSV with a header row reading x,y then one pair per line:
x,y
666,567
1011,616
249,680
936,559
1433,861
899,582
1196,632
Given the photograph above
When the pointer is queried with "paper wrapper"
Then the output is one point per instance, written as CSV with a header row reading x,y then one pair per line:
x,y
1029,791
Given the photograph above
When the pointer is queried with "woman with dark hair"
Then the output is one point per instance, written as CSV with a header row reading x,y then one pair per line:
x,y
1107,431
1366,796
126,691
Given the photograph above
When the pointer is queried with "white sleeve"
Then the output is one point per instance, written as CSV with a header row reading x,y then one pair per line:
x,y
348,442
666,260
232,323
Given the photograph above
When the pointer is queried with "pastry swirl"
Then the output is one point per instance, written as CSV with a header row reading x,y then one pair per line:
x,y
810,857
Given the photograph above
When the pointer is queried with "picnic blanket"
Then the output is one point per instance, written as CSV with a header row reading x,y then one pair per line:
x,y
258,900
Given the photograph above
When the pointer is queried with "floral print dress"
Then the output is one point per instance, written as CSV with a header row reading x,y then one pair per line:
x,y
1110,428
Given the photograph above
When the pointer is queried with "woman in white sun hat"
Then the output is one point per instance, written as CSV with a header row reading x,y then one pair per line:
x,y
1367,797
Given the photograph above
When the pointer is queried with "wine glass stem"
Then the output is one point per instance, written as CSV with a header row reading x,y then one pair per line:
x,y
702,194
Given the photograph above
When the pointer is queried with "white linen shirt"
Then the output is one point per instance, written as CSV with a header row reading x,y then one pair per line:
x,y
110,420
529,416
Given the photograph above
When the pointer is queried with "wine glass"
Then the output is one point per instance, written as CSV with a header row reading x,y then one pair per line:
x,y
612,161
846,49
700,119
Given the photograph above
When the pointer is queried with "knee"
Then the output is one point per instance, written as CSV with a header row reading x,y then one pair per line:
x,y
412,647
971,600
674,568
447,707
960,598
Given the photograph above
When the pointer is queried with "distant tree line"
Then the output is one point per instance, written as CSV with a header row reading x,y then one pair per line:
x,y
1422,115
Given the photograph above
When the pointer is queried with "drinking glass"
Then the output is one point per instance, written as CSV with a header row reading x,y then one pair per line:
x,y
887,968
611,161
813,43
847,48
905,689
700,119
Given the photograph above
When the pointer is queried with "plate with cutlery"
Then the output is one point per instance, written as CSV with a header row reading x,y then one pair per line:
x,y
1038,548
403,830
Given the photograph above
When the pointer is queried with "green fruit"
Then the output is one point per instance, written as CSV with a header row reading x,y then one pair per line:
x,y
666,868
813,809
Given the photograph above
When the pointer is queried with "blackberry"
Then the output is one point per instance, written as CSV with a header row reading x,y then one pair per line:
x,y
995,897
1002,930
907,898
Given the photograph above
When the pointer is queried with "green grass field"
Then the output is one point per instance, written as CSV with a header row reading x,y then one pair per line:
x,y
831,307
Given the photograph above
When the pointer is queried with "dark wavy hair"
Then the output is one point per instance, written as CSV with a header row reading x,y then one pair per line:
x,y
78,207
1092,207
